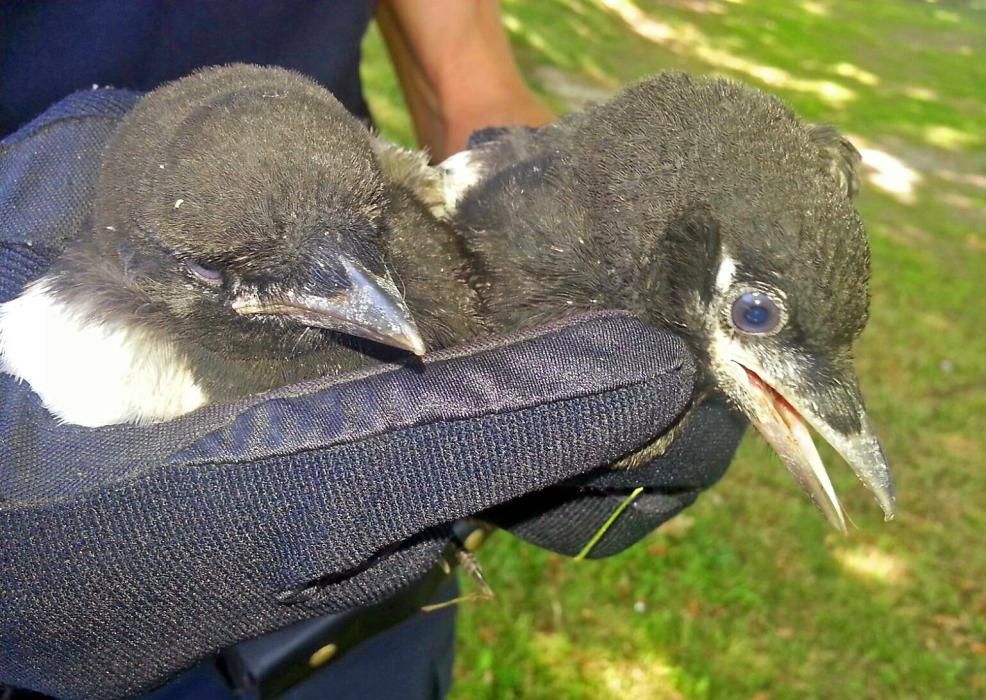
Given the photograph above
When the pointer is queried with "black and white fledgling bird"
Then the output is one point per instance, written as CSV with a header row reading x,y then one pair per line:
x,y
247,232
709,209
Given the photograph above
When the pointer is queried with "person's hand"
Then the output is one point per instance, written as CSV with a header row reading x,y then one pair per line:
x,y
576,518
456,70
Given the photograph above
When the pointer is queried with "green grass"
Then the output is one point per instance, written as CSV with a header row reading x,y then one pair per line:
x,y
749,595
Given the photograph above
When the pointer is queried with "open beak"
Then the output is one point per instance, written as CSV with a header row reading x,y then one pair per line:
x,y
370,306
781,414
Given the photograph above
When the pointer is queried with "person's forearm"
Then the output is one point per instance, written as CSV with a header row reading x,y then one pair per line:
x,y
456,69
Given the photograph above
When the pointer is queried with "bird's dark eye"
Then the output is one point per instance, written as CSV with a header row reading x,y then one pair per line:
x,y
208,275
755,312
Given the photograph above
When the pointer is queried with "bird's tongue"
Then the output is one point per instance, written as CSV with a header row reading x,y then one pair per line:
x,y
782,426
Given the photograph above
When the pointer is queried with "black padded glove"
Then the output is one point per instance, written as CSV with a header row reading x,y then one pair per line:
x,y
136,550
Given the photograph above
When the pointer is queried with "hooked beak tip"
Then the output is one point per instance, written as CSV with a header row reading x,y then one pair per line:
x,y
784,427
411,341
370,307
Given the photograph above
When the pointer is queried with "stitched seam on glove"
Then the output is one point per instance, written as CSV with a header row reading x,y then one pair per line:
x,y
425,421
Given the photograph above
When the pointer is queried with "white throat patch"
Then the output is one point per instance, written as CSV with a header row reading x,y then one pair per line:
x,y
91,372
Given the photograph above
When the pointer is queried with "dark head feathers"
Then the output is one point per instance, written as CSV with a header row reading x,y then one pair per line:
x,y
841,156
669,149
227,163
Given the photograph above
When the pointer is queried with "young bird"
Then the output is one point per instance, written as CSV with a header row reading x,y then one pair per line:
x,y
245,234
706,208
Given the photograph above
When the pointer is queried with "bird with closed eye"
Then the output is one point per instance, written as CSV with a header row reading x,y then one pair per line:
x,y
711,210
247,232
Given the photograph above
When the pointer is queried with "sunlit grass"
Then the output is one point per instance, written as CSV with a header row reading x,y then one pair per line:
x,y
751,596
871,564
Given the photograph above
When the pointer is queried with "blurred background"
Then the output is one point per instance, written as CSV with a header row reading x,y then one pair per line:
x,y
749,594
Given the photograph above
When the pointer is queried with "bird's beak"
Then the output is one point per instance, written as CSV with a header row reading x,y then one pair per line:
x,y
780,408
369,306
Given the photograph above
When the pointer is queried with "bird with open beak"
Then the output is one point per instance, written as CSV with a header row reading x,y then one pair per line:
x,y
709,209
246,233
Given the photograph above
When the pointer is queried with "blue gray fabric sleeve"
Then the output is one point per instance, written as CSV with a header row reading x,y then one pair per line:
x,y
51,49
